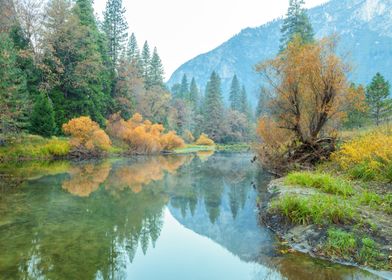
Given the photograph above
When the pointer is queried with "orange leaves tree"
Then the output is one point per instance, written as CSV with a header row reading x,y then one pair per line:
x,y
87,138
142,137
310,95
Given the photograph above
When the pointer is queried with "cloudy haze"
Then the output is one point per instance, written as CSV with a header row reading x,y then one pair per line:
x,y
183,29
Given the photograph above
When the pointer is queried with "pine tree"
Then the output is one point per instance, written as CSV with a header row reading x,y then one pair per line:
x,y
133,52
73,55
156,71
42,118
377,96
115,27
213,109
296,23
13,94
194,94
184,89
235,92
146,61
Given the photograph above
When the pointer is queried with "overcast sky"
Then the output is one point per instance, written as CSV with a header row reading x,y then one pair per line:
x,y
183,29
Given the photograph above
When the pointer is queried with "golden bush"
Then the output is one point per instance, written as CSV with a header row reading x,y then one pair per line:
x,y
86,135
142,137
204,140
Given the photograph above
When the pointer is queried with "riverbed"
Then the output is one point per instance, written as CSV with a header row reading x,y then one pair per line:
x,y
159,217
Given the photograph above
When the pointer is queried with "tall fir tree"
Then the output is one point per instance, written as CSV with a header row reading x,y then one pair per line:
x,y
42,117
377,97
73,55
133,54
235,92
194,94
146,61
13,94
115,27
156,71
184,89
295,24
213,109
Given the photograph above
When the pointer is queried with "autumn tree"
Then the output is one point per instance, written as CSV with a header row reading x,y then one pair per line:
x,y
310,89
378,99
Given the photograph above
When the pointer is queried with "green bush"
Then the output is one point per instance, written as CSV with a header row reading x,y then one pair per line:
x,y
322,181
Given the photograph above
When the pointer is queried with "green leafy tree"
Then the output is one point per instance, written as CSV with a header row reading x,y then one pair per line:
x,y
213,109
115,27
42,118
296,23
235,92
377,97
13,94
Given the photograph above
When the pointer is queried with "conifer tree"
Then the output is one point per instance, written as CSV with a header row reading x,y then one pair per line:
x,y
13,94
377,96
296,23
146,61
42,118
133,54
194,94
115,27
213,109
184,89
235,92
156,71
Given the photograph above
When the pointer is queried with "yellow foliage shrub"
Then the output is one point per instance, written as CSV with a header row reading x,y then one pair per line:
x,y
368,156
86,135
142,137
204,140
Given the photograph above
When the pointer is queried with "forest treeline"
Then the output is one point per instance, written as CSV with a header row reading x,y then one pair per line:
x,y
58,61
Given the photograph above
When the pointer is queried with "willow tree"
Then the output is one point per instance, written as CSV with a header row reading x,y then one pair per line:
x,y
311,95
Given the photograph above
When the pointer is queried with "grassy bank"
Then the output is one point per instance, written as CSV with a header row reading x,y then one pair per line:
x,y
344,206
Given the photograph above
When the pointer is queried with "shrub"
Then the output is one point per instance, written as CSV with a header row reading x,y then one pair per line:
x,y
367,157
325,182
188,137
87,138
204,140
142,137
58,148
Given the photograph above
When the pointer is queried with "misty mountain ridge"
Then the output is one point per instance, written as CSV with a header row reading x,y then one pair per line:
x,y
364,29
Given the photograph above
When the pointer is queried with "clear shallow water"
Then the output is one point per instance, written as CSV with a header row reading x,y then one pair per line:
x,y
173,217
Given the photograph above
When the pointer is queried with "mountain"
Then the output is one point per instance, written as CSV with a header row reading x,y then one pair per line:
x,y
364,28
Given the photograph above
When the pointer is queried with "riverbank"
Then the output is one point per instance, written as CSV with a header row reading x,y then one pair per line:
x,y
32,147
342,210
332,218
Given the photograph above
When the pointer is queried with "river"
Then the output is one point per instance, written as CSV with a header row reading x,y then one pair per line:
x,y
181,217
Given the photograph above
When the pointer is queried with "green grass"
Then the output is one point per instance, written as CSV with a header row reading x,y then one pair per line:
x,y
369,251
323,181
340,243
191,148
238,147
375,201
317,209
34,147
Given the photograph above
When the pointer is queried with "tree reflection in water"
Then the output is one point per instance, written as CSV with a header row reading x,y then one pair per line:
x,y
87,220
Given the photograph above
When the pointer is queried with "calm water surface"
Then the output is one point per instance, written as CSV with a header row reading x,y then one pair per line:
x,y
173,217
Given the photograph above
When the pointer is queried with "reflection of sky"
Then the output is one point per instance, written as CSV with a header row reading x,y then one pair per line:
x,y
175,257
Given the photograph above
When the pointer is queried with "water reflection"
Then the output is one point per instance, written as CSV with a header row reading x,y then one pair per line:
x,y
118,219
